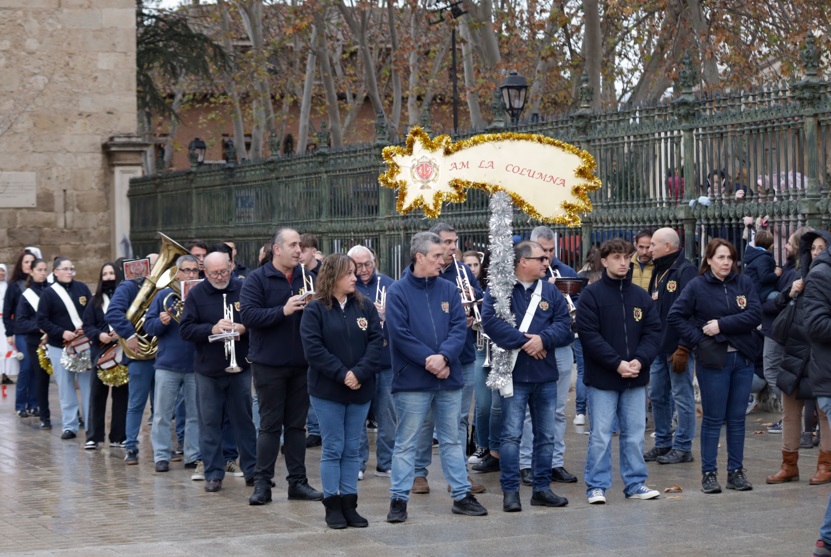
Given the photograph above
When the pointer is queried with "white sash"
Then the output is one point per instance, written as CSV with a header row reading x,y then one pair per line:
x,y
106,303
70,306
536,297
32,298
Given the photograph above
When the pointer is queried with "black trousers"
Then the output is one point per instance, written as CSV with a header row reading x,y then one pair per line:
x,y
96,421
41,381
284,403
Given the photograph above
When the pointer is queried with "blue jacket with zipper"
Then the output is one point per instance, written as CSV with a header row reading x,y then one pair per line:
x,y
425,317
670,275
617,321
174,353
368,290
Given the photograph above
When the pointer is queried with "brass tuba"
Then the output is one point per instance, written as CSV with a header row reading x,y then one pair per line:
x,y
160,277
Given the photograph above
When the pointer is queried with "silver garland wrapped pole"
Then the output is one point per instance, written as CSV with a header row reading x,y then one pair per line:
x,y
501,280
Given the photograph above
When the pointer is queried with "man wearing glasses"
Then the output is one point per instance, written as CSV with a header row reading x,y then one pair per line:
x,y
212,308
174,372
141,372
542,325
373,285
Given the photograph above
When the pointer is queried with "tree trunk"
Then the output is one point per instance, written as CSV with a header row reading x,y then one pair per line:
x,y
707,52
306,100
332,105
592,47
230,84
395,114
476,120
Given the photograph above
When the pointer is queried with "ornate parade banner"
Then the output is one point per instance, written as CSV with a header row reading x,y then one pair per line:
x,y
546,178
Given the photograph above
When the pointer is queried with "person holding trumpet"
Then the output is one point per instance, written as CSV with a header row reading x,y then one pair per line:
x,y
212,309
174,370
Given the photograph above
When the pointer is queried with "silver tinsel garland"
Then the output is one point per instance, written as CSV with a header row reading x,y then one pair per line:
x,y
501,281
79,363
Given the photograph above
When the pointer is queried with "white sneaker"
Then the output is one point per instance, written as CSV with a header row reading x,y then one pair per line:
x,y
232,469
199,472
597,497
643,492
381,473
580,419
477,455
360,475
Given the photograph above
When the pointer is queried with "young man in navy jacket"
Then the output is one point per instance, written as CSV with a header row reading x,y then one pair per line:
x,y
428,329
620,331
535,373
272,305
671,374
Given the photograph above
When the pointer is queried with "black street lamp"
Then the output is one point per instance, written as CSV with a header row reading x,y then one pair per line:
x,y
513,90
456,11
196,151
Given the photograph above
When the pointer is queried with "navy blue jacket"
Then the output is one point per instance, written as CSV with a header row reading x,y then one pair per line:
x,y
425,317
25,316
551,321
733,302
52,315
617,321
469,353
203,309
116,315
274,337
14,291
772,308
760,265
817,304
240,271
671,274
337,341
174,353
94,325
368,291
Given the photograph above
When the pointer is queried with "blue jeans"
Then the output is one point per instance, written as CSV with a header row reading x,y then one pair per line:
x,y
168,386
384,410
66,391
181,416
495,423
724,394
412,409
541,400
565,361
666,386
229,394
26,393
824,404
424,452
580,392
629,407
340,430
141,374
483,395
312,423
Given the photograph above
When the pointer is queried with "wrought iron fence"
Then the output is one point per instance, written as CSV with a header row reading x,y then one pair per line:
x,y
706,164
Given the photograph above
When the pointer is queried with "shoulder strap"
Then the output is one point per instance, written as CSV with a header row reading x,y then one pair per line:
x,y
69,304
32,298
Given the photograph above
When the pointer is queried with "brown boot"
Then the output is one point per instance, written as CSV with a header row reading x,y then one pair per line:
x,y
788,472
823,469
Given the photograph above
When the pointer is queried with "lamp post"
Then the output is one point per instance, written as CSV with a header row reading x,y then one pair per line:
x,y
196,152
513,90
456,11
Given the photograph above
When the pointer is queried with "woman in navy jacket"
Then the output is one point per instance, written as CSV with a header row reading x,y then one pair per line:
x,y
342,340
717,314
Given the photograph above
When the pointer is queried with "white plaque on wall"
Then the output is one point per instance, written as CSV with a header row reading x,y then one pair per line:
x,y
18,189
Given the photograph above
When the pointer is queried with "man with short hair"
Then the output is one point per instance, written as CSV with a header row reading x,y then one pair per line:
x,y
308,258
642,265
427,329
542,324
198,249
174,372
272,307
371,284
141,372
620,330
671,374
212,308
239,270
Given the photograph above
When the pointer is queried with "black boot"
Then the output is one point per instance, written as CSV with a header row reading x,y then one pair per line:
x,y
349,504
261,495
302,491
334,512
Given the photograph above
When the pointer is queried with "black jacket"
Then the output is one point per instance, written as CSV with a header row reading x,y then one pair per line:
x,y
25,316
817,305
52,315
274,337
759,265
617,321
672,273
733,302
793,371
94,325
337,341
772,308
203,309
14,291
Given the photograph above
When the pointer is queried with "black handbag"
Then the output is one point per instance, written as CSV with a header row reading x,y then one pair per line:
x,y
782,323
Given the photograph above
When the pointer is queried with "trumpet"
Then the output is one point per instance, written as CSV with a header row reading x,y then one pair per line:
x,y
176,308
381,300
228,337
468,296
572,309
308,281
483,342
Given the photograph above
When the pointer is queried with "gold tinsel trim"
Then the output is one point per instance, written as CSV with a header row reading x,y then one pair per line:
x,y
44,361
443,142
115,376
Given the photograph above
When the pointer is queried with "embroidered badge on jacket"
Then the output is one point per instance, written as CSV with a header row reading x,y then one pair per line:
x,y
671,286
544,305
445,307
236,306
742,301
638,313
82,300
362,323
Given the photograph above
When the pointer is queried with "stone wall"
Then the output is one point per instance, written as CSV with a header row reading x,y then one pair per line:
x,y
68,85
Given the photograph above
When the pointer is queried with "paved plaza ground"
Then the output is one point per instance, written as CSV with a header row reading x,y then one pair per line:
x,y
58,499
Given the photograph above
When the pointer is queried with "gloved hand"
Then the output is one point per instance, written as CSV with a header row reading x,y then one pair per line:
x,y
679,359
